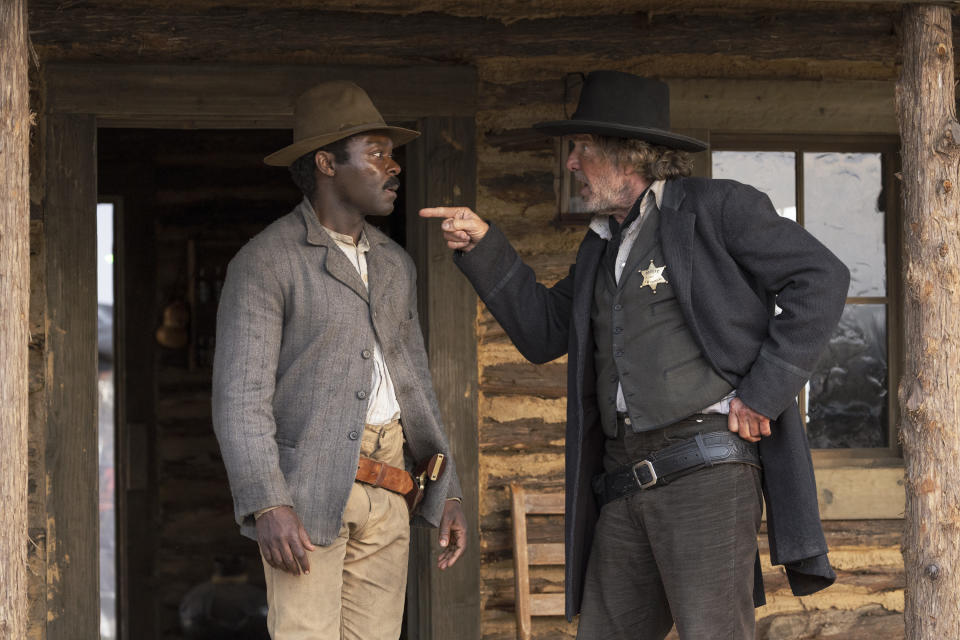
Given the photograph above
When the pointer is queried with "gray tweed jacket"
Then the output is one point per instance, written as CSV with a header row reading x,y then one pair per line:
x,y
292,370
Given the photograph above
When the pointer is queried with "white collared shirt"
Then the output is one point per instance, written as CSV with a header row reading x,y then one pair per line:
x,y
383,406
601,226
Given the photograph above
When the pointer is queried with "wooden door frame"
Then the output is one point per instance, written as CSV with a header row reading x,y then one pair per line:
x,y
80,98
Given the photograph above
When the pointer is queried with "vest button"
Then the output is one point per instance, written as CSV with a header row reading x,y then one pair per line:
x,y
618,329
618,354
353,435
365,354
361,394
617,307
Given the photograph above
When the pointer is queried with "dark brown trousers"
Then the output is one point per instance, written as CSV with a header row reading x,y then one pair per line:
x,y
679,554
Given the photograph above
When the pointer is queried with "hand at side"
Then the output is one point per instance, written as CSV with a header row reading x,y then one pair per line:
x,y
453,534
746,422
283,540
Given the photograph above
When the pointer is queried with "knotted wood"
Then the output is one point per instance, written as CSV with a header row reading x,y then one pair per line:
x,y
930,387
14,293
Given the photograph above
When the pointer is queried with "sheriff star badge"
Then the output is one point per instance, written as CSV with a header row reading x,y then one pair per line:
x,y
652,276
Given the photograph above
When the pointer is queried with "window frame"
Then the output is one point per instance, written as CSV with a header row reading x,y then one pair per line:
x,y
888,146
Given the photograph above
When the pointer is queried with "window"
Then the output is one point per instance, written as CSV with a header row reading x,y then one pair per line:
x,y
842,191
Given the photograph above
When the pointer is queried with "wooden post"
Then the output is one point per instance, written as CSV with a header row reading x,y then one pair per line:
x,y
14,292
930,387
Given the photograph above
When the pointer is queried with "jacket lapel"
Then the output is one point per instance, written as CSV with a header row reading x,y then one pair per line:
x,y
588,264
676,239
335,262
382,267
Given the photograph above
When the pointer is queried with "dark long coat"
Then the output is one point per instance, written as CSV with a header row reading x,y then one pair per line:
x,y
731,259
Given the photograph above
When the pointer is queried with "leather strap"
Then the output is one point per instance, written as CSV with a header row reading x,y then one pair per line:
x,y
378,474
675,461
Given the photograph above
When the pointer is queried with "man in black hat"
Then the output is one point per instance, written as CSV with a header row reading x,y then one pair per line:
x,y
682,378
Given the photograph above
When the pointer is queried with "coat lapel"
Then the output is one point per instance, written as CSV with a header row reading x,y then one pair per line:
x,y
676,239
588,263
382,267
335,262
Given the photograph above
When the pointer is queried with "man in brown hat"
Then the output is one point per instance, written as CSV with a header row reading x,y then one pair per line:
x,y
321,386
681,378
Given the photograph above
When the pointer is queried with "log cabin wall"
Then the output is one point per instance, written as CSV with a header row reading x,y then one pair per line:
x,y
786,67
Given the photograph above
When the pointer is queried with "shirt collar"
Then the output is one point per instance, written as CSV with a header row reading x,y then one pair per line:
x,y
363,245
600,224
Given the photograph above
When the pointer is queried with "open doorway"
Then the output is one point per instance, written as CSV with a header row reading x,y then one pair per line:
x,y
191,199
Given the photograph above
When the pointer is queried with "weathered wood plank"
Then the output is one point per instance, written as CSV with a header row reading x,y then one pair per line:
x,y
71,444
14,327
546,553
241,96
123,33
443,169
524,378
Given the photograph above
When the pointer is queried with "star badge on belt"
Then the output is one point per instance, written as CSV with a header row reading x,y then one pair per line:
x,y
652,276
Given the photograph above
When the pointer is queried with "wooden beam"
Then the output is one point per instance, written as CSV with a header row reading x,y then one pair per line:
x,y
91,31
69,213
928,391
257,97
442,169
14,333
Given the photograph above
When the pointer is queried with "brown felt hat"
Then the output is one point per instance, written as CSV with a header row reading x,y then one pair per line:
x,y
332,111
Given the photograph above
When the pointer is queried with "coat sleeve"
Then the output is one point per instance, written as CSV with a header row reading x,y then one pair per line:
x,y
249,326
536,317
808,282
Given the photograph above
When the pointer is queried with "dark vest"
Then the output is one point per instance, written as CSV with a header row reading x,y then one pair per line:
x,y
642,341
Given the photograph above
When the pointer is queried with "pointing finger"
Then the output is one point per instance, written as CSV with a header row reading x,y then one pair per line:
x,y
446,212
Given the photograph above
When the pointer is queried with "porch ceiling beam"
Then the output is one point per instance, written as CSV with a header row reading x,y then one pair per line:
x,y
85,31
234,96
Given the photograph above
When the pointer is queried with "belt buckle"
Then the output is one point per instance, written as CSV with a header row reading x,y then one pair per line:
x,y
653,474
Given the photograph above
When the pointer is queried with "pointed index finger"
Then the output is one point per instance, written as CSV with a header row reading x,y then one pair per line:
x,y
444,212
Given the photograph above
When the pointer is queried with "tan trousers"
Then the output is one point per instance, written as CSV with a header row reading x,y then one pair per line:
x,y
356,585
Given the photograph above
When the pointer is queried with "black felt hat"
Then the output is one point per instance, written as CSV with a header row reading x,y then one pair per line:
x,y
622,105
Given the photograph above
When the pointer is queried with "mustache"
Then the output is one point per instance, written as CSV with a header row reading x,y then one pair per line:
x,y
392,183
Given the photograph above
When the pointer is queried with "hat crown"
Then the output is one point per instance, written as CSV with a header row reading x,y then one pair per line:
x,y
626,99
331,107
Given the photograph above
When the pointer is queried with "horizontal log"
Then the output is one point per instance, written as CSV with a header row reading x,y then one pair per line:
x,y
526,379
84,31
249,97
866,623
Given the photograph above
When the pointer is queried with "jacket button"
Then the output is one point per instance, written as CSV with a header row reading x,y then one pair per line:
x,y
354,435
618,354
617,307
618,329
365,354
361,394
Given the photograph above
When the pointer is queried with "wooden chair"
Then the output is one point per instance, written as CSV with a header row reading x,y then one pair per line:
x,y
522,503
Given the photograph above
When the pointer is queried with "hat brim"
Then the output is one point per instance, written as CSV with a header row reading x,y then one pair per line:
x,y
653,136
285,157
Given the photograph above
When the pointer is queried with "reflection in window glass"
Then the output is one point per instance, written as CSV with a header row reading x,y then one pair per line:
x,y
847,403
843,208
773,172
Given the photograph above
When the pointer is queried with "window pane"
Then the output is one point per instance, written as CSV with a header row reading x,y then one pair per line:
x,y
847,399
843,208
773,172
